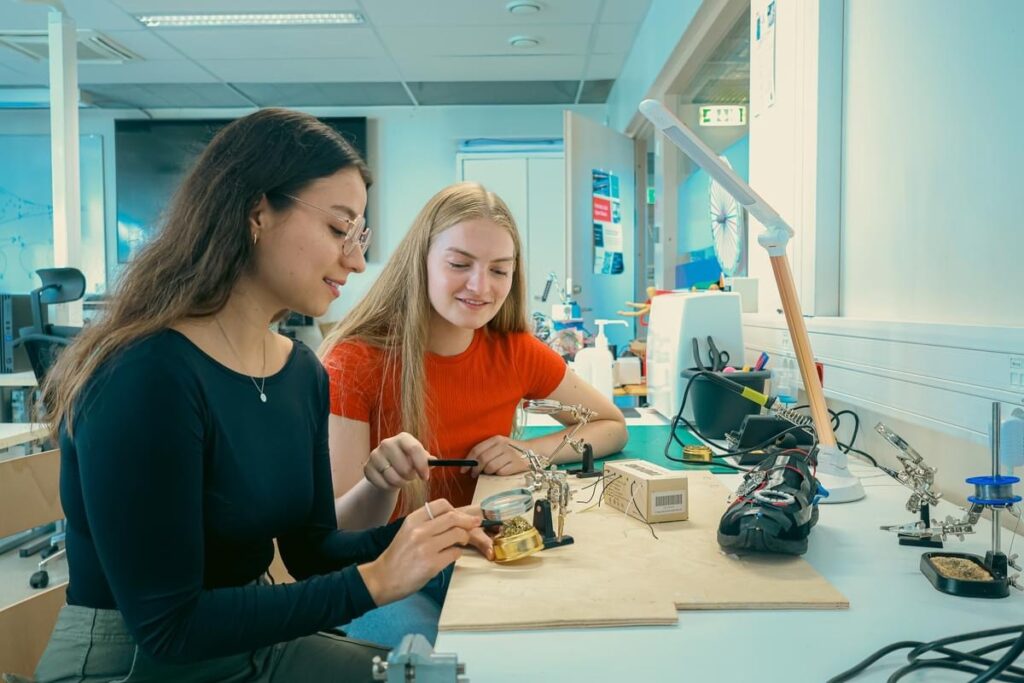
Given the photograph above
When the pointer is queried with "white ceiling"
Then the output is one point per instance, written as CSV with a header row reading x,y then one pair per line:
x,y
405,46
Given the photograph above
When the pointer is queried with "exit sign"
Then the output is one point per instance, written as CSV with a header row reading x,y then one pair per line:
x,y
723,115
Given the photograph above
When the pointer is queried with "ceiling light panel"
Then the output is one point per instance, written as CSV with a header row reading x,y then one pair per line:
x,y
251,19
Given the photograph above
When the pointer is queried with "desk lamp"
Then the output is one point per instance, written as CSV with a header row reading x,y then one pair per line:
x,y
832,470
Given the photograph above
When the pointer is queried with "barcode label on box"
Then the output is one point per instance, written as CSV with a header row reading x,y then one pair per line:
x,y
667,502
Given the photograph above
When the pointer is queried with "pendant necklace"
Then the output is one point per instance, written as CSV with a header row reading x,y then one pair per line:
x,y
263,383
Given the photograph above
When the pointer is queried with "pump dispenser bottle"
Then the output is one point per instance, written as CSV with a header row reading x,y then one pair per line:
x,y
594,364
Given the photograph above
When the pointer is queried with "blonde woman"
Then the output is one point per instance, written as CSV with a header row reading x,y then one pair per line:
x,y
192,436
433,363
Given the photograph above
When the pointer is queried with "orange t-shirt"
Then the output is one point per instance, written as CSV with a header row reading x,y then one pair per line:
x,y
470,397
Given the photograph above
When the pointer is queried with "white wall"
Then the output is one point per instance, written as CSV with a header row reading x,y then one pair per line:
x,y
412,155
926,275
932,160
664,25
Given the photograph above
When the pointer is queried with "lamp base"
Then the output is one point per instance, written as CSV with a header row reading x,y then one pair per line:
x,y
832,473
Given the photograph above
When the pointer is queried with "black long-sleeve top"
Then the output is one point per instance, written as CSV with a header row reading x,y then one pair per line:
x,y
176,482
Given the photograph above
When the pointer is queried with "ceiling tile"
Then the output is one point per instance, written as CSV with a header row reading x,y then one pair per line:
x,y
389,13
604,66
10,57
302,70
283,43
325,94
624,11
9,76
517,68
614,38
162,71
145,44
509,92
449,41
166,96
31,70
101,15
596,92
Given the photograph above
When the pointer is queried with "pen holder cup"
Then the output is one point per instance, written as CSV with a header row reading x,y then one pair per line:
x,y
716,410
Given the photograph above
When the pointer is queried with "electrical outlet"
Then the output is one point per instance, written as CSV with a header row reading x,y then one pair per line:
x,y
1017,373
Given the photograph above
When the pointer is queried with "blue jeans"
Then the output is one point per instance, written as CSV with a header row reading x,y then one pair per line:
x,y
417,613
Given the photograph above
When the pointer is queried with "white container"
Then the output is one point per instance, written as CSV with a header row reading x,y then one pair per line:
x,y
594,364
675,320
627,371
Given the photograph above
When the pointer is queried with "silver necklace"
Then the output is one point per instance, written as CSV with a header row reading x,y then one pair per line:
x,y
263,371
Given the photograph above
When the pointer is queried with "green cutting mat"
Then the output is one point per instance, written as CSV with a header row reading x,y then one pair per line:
x,y
645,443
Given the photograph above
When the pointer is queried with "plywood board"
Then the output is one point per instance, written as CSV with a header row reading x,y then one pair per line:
x,y
25,629
29,492
617,574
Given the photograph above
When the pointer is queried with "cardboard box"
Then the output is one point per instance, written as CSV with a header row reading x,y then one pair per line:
x,y
646,491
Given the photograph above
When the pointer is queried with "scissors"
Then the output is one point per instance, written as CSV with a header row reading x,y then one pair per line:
x,y
719,359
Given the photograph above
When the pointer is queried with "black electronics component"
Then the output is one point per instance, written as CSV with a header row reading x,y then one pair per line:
x,y
15,312
774,509
759,429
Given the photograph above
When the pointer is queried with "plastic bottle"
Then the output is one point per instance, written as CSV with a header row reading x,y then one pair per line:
x,y
784,381
594,364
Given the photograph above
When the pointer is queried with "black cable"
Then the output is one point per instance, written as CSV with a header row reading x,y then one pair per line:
x,y
870,458
852,672
679,419
837,422
594,486
985,668
632,500
856,424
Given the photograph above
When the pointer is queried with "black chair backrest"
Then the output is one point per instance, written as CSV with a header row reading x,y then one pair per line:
x,y
42,341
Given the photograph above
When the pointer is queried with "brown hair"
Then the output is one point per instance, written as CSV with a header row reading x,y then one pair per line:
x,y
205,244
395,313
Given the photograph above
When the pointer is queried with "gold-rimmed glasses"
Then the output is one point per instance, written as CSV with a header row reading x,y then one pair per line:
x,y
358,233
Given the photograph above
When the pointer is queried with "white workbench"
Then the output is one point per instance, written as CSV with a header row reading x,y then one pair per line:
x,y
890,600
15,434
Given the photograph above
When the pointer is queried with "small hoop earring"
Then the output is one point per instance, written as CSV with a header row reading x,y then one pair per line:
x,y
255,238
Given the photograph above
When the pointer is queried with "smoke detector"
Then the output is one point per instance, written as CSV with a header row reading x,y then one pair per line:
x,y
522,7
523,41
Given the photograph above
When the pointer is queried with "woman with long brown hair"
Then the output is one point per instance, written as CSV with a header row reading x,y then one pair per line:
x,y
192,436
433,362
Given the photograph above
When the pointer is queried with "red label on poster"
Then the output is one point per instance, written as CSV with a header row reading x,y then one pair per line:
x,y
602,209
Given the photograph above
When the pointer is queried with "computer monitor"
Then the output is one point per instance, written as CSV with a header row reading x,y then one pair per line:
x,y
15,313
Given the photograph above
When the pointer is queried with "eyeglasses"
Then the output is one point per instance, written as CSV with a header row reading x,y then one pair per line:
x,y
358,232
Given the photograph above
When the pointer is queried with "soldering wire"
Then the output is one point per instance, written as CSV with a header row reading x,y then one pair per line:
x,y
643,517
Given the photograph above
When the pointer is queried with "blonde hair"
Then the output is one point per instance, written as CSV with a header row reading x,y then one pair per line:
x,y
394,316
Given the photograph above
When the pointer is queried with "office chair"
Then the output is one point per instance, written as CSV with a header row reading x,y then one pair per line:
x,y
43,341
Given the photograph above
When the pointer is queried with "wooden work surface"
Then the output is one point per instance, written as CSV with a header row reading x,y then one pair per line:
x,y
616,573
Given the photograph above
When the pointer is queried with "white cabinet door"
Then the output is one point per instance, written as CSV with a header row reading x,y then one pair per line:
x,y
546,224
533,188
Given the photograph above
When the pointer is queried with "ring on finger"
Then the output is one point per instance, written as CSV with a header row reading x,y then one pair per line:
x,y
426,506
384,469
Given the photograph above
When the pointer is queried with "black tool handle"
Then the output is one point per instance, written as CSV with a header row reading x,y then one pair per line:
x,y
452,463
